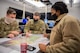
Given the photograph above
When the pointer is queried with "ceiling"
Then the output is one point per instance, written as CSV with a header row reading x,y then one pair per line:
x,y
48,2
66,1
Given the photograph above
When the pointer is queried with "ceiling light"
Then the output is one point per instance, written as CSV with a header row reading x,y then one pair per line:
x,y
74,1
16,0
36,3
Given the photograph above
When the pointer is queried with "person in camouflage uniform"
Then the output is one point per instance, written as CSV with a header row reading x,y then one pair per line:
x,y
8,25
35,26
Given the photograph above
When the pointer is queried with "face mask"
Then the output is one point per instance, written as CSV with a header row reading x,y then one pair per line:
x,y
54,17
9,20
35,20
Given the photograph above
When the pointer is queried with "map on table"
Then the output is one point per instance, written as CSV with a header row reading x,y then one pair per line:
x,y
15,43
18,41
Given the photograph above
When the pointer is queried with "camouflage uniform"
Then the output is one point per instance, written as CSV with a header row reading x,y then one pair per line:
x,y
6,28
35,28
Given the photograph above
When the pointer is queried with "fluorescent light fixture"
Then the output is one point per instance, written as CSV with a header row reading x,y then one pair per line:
x,y
16,0
36,3
74,1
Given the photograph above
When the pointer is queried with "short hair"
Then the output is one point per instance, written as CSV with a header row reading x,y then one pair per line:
x,y
60,6
37,14
10,11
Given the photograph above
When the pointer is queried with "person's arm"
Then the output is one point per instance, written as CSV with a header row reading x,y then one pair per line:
x,y
37,32
15,26
46,26
2,32
27,27
71,39
15,29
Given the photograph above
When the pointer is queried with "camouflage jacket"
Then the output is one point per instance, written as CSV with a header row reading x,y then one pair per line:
x,y
6,28
35,28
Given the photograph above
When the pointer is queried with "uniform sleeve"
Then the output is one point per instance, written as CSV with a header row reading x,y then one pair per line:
x,y
43,27
27,26
15,27
71,39
2,32
46,26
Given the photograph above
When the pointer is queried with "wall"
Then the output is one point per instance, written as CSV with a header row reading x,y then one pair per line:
x,y
74,11
5,4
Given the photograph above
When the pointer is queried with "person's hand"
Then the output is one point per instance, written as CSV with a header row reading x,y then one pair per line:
x,y
11,36
45,35
42,47
28,34
15,32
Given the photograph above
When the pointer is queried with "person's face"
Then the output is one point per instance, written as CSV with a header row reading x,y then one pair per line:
x,y
54,14
12,15
53,11
10,18
36,17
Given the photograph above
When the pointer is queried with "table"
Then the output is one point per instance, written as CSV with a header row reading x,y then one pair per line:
x,y
33,40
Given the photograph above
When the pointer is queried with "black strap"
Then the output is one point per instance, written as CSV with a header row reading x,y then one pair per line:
x,y
56,23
